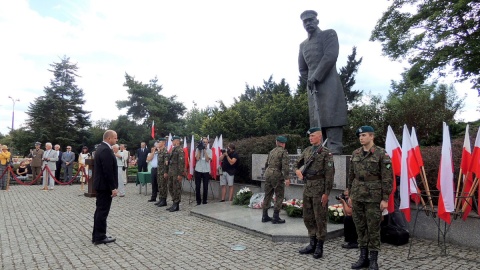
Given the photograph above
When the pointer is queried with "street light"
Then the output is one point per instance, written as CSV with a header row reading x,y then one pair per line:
x,y
13,110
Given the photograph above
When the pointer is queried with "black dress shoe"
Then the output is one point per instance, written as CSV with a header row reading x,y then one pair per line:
x,y
105,240
151,200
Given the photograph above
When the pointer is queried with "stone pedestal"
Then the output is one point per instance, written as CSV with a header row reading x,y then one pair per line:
x,y
296,187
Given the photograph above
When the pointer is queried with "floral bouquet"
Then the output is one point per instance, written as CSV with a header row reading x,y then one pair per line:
x,y
294,207
335,213
242,197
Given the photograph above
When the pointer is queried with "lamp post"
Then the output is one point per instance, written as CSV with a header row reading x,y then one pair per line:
x,y
13,110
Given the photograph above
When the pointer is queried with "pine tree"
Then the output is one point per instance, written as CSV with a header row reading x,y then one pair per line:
x,y
347,77
58,116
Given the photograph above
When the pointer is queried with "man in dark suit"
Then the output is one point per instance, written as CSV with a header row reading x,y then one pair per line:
x,y
142,154
105,182
59,162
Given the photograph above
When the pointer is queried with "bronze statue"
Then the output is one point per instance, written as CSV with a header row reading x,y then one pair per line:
x,y
317,64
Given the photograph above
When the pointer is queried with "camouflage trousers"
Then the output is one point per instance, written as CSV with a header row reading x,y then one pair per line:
x,y
162,186
367,217
274,184
315,217
175,188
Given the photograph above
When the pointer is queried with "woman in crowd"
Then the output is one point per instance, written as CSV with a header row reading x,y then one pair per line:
x,y
81,162
4,159
22,171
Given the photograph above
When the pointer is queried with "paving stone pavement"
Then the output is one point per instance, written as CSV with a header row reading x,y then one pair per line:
x,y
52,230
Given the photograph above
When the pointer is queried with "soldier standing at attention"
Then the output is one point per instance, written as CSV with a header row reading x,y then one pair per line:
x,y
162,176
176,172
275,174
317,173
370,184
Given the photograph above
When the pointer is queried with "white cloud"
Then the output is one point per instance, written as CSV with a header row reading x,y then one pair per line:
x,y
200,50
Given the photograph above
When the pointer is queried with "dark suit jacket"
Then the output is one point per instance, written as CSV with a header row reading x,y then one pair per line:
x,y
142,156
106,170
59,161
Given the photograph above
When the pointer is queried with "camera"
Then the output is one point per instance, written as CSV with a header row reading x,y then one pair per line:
x,y
223,151
341,196
200,146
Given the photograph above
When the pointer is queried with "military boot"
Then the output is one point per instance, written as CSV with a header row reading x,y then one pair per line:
x,y
311,247
175,207
276,217
373,260
168,209
362,260
265,217
318,250
162,202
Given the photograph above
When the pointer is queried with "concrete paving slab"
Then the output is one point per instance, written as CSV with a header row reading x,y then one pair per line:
x,y
249,220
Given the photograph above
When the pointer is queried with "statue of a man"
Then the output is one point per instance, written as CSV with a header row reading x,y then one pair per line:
x,y
317,64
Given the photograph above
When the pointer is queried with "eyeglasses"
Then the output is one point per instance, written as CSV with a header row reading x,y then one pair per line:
x,y
69,148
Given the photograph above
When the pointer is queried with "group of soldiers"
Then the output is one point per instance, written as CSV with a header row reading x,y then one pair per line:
x,y
170,172
369,185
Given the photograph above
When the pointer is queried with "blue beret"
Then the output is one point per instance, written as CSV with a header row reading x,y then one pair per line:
x,y
313,129
364,129
282,139
307,14
176,138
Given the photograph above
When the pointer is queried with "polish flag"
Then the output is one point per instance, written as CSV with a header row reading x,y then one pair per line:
x,y
408,185
446,202
394,150
415,162
219,151
214,161
169,143
185,153
153,130
475,161
193,160
467,175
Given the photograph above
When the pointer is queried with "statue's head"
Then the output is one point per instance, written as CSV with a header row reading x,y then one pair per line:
x,y
310,21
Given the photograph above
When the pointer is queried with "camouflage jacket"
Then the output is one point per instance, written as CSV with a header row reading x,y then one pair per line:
x,y
162,159
277,163
319,175
176,163
370,176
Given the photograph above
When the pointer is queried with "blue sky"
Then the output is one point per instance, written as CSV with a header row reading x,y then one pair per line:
x,y
201,51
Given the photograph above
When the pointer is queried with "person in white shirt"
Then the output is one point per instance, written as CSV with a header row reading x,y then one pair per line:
x,y
203,156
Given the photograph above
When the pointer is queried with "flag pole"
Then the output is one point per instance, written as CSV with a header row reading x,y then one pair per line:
x,y
427,188
470,194
459,194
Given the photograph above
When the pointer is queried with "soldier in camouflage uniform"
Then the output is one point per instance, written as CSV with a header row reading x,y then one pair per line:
x,y
370,184
318,172
162,176
276,177
176,172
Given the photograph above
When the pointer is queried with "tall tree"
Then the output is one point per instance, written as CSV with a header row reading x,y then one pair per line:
x,y
440,35
58,116
347,77
145,104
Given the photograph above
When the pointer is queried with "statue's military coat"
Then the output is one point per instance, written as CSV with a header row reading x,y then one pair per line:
x,y
317,60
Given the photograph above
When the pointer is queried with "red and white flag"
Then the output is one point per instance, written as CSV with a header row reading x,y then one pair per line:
x,y
213,162
475,162
191,169
466,174
219,151
446,201
394,150
415,162
153,129
185,153
169,143
416,148
408,185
